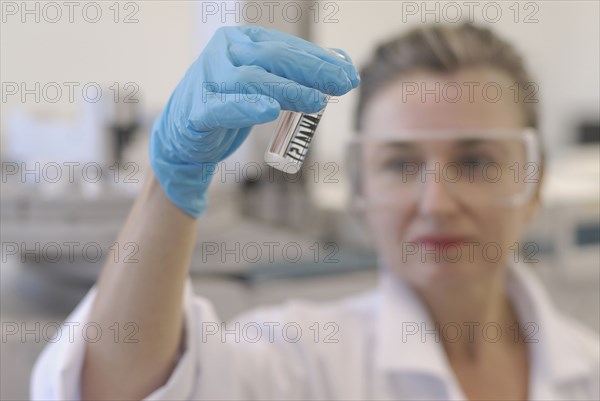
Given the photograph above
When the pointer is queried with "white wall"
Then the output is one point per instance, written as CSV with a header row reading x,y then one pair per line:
x,y
153,53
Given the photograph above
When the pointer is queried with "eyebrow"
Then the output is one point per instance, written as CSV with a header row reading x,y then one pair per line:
x,y
470,142
401,145
461,144
410,145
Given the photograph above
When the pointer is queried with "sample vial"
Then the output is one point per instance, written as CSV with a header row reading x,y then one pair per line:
x,y
292,137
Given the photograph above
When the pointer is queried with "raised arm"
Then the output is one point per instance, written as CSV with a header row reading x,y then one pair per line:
x,y
147,294
242,78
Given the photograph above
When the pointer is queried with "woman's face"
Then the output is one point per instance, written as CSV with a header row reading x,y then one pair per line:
x,y
439,234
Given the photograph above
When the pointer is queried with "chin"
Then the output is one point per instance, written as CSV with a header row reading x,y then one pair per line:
x,y
441,274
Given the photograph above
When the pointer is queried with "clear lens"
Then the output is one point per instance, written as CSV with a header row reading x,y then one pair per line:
x,y
480,167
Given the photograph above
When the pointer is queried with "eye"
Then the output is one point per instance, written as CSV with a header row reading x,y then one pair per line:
x,y
400,164
473,166
476,160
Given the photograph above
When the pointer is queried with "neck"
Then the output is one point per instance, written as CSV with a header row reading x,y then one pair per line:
x,y
472,307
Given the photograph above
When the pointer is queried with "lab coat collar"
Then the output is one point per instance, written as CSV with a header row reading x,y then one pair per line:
x,y
554,351
400,310
398,347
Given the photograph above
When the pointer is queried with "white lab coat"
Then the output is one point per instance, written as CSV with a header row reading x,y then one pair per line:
x,y
375,356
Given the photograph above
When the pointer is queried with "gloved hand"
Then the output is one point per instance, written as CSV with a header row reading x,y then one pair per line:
x,y
245,76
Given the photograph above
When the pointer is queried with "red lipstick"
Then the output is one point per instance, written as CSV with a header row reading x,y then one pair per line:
x,y
440,240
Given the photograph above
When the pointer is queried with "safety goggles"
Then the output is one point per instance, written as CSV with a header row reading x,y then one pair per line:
x,y
499,167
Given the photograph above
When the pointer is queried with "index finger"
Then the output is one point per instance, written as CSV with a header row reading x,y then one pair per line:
x,y
261,34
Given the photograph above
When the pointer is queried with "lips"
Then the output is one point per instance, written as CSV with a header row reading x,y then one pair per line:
x,y
441,240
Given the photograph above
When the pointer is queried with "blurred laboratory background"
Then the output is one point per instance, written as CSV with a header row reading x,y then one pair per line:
x,y
78,100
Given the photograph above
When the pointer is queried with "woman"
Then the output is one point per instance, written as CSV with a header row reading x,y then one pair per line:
x,y
450,319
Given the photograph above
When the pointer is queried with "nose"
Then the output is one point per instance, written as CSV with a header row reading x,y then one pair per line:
x,y
435,198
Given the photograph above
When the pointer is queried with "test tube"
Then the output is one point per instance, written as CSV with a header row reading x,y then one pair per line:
x,y
292,137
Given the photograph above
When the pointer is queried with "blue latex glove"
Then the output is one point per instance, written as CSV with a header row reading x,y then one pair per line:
x,y
238,81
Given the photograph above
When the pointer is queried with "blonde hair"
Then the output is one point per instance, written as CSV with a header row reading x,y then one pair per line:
x,y
444,48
